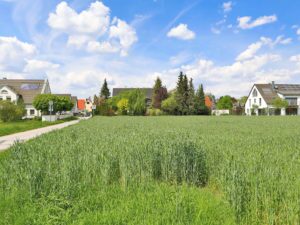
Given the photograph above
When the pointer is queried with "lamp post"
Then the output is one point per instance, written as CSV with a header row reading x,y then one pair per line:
x,y
50,109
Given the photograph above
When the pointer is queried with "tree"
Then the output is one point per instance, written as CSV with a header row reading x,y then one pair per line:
x,y
182,94
123,106
104,93
225,102
200,107
60,103
170,105
136,102
191,97
243,100
280,103
160,93
11,112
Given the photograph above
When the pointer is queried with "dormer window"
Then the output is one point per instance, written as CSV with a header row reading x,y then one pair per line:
x,y
254,93
5,92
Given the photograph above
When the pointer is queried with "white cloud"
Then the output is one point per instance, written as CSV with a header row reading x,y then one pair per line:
x,y
181,32
250,51
227,6
39,66
94,20
124,33
13,52
92,29
264,41
247,23
101,47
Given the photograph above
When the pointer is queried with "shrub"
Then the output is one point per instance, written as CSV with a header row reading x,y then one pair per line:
x,y
11,112
170,105
123,106
154,112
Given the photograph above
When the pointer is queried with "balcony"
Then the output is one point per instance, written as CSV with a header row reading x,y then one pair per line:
x,y
292,101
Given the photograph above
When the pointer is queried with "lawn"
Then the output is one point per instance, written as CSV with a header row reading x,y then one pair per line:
x,y
156,170
23,125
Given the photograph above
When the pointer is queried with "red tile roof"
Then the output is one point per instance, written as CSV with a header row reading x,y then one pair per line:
x,y
81,104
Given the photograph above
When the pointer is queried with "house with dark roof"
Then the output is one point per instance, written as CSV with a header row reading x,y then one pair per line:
x,y
148,93
16,89
261,97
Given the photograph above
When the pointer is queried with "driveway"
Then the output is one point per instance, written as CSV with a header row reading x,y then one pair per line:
x,y
9,140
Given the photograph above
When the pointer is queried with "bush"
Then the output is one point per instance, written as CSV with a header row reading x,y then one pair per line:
x,y
11,112
123,106
154,112
170,105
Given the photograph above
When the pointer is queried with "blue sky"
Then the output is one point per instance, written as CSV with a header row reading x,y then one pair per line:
x,y
226,45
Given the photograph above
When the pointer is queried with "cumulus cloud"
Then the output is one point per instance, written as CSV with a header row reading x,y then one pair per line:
x,y
255,47
94,20
13,52
92,29
246,22
39,66
181,32
227,6
124,33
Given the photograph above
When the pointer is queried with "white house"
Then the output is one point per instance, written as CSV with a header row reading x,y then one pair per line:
x,y
16,89
261,96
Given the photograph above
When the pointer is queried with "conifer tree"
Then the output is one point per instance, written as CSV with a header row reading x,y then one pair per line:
x,y
104,93
200,107
191,99
159,94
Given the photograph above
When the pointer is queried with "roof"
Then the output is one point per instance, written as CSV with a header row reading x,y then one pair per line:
x,y
74,99
64,95
81,104
28,89
288,89
269,93
148,91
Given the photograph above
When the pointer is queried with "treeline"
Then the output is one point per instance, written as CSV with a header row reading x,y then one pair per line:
x,y
183,100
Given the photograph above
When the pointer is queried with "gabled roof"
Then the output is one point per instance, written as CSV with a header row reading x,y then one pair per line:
x,y
28,89
148,91
267,92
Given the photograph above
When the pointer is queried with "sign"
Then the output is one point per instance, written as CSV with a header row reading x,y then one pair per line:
x,y
93,107
50,106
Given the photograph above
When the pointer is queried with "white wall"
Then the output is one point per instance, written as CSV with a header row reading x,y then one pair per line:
x,y
254,101
28,113
10,93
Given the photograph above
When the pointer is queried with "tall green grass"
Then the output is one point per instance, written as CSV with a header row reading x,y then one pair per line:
x,y
156,170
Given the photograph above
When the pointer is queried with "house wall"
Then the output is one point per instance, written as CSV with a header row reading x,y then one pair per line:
x,y
10,93
31,112
254,100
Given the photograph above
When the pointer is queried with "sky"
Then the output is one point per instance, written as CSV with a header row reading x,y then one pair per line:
x,y
225,45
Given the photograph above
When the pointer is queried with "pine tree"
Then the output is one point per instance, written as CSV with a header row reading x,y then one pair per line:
x,y
200,107
182,94
104,93
191,99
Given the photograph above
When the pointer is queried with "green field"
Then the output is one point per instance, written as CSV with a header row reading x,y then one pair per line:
x,y
24,125
156,170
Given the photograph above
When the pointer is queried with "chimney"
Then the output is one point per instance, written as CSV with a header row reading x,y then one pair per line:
x,y
273,85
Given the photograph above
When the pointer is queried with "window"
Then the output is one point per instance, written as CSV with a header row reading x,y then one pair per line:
x,y
255,101
32,111
254,93
259,101
8,98
250,103
4,92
